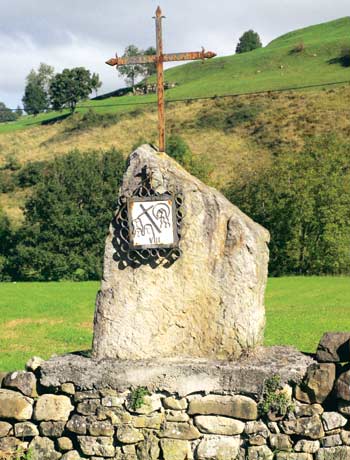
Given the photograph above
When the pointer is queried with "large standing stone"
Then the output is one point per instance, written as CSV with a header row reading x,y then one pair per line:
x,y
15,406
148,312
334,347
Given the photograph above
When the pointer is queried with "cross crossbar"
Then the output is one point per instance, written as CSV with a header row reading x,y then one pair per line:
x,y
159,59
144,59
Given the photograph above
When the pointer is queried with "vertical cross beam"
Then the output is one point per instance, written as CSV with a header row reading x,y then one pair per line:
x,y
160,80
159,58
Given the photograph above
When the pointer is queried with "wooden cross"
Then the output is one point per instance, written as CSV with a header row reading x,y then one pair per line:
x,y
158,59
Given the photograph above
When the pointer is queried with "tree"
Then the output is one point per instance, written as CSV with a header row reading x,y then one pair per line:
x,y
6,114
131,72
36,97
150,69
249,41
303,199
19,111
67,217
6,243
70,87
96,83
42,76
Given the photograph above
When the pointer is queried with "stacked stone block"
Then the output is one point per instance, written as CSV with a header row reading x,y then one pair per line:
x,y
69,424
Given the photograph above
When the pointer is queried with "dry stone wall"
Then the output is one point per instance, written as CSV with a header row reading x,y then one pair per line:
x,y
63,422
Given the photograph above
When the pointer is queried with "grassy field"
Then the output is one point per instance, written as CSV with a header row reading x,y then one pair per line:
x,y
52,318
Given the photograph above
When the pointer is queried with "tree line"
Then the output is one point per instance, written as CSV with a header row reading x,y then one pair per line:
x,y
44,89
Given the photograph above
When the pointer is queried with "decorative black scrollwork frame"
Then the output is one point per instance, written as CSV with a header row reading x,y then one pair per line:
x,y
125,254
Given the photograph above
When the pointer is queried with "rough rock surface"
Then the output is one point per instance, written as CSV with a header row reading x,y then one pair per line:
x,y
213,424
318,383
175,449
240,407
14,405
218,448
220,279
52,407
43,449
183,377
342,386
23,381
334,347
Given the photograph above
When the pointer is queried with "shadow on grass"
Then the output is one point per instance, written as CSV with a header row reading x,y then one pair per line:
x,y
52,121
344,61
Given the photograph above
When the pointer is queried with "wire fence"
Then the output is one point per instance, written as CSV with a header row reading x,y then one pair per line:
x,y
190,99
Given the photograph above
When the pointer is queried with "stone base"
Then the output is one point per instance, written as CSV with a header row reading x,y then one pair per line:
x,y
74,408
244,376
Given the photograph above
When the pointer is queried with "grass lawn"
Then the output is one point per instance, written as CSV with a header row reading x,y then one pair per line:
x,y
47,318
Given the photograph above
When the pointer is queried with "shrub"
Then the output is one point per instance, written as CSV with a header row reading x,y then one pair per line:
x,y
299,48
67,218
30,174
227,118
177,148
273,399
11,163
91,119
6,245
7,182
249,41
304,201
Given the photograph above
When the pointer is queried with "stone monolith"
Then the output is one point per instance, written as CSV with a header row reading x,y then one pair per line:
x,y
209,303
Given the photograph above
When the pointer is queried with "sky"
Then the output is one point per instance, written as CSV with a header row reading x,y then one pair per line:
x,y
72,33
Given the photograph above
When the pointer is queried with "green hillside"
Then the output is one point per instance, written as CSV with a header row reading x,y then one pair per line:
x,y
273,67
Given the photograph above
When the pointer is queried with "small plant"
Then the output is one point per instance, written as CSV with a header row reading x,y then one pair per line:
x,y
299,48
274,401
21,455
11,163
137,397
